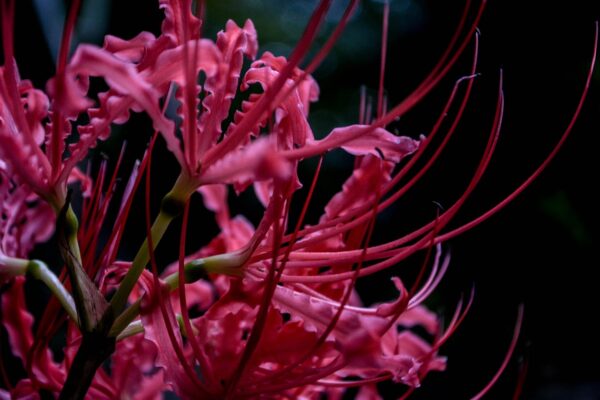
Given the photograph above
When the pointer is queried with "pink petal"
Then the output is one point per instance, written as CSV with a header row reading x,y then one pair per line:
x,y
234,43
291,123
308,89
132,50
173,24
36,109
24,390
22,157
169,65
420,316
369,175
257,161
224,327
85,182
156,333
377,142
169,68
18,323
133,371
73,100
122,77
215,199
17,320
28,220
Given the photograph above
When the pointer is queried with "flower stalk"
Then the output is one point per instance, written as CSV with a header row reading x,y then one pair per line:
x,y
225,264
37,269
40,271
171,206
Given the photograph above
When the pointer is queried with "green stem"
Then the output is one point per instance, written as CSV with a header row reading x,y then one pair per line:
x,y
39,270
132,329
228,263
11,266
140,261
124,320
171,206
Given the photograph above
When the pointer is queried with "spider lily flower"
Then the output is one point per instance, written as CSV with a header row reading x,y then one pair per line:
x,y
35,127
265,311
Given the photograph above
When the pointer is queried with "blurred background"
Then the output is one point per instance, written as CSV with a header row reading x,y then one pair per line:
x,y
541,250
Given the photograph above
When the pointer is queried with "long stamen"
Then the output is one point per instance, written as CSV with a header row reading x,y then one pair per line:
x,y
507,357
399,110
96,215
443,220
356,383
508,199
198,353
269,288
322,53
56,140
277,278
346,297
361,213
384,40
523,369
190,134
307,379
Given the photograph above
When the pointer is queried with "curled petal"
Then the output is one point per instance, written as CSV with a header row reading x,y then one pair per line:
x,y
20,154
156,332
290,115
178,18
26,219
420,316
377,142
25,390
225,327
18,323
73,100
36,106
121,76
215,199
234,43
133,370
257,161
169,65
129,50
362,336
17,320
360,188
77,176
308,89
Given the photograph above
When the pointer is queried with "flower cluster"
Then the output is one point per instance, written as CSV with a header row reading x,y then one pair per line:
x,y
265,311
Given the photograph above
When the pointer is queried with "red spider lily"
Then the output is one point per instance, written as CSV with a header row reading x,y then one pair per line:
x,y
280,315
34,129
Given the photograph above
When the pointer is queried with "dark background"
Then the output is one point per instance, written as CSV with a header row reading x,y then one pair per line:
x,y
539,251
